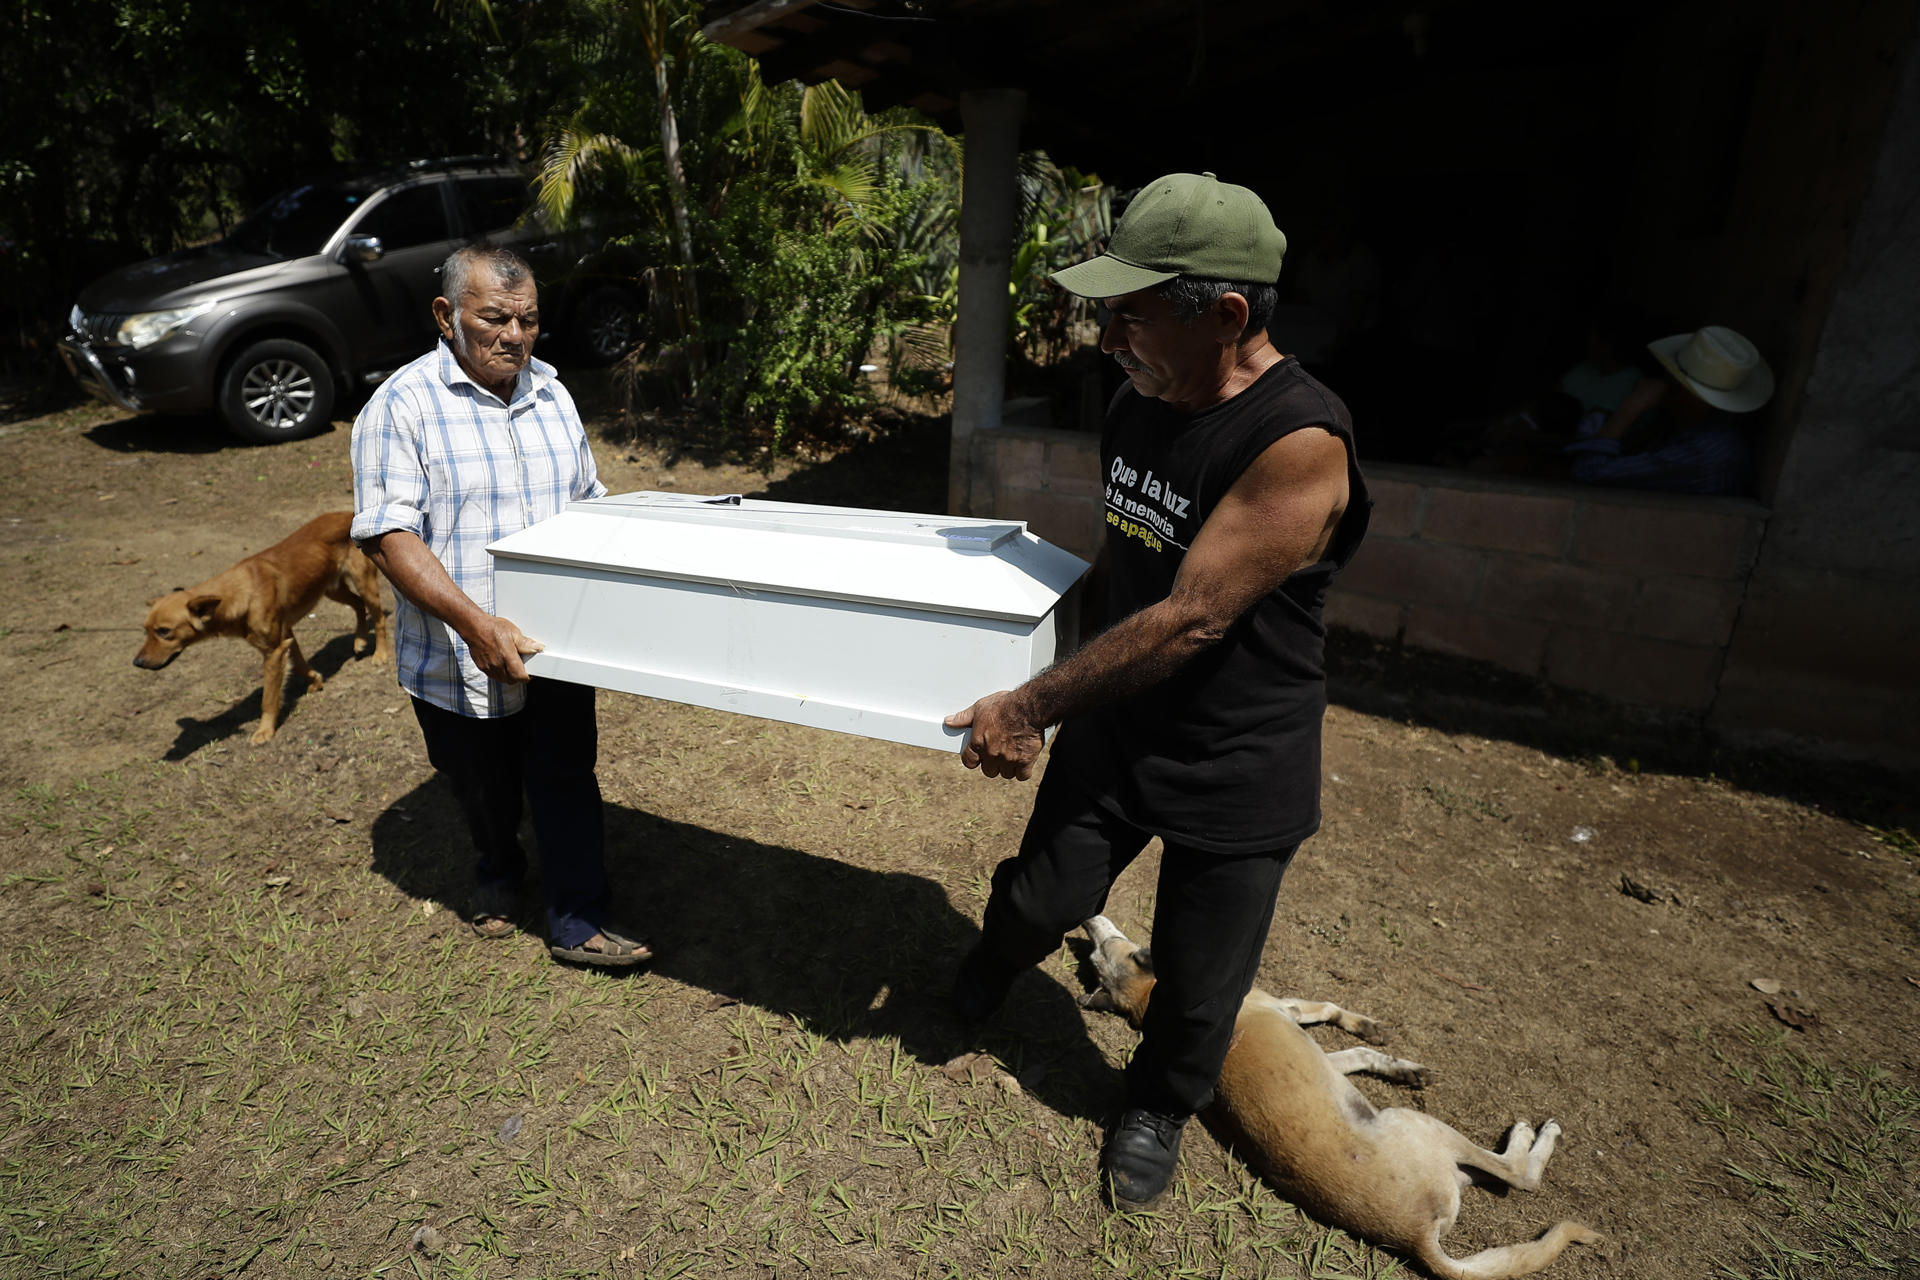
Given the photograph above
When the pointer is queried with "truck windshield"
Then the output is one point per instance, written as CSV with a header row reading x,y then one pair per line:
x,y
298,221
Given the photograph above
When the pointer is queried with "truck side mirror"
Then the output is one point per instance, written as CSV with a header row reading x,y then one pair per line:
x,y
363,249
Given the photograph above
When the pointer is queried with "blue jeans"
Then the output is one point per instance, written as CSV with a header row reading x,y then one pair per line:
x,y
546,751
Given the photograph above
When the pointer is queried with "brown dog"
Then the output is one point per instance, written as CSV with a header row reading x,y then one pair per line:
x,y
1391,1177
261,598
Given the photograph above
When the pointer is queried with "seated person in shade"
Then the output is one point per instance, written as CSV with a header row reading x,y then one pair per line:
x,y
1683,433
1608,370
1530,439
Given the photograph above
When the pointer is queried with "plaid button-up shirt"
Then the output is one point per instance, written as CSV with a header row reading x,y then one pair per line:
x,y
437,455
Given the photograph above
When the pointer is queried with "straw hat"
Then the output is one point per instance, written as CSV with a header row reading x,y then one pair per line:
x,y
1719,366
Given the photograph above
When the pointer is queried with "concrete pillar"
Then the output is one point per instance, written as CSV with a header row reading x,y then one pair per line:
x,y
988,199
1824,646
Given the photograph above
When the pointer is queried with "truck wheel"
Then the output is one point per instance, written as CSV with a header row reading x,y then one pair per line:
x,y
276,390
606,324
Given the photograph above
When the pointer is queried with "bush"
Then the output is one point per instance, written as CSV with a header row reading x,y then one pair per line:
x,y
805,306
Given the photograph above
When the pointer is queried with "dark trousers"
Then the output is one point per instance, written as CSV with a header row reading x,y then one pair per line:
x,y
547,751
1210,924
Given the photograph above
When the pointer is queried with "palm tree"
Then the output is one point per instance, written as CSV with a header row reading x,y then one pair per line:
x,y
667,34
782,216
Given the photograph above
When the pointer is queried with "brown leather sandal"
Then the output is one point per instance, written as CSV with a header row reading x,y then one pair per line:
x,y
492,912
606,949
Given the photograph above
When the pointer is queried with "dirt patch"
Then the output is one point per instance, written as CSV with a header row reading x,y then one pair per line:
x,y
246,1032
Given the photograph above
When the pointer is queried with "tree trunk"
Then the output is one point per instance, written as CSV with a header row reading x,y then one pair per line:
x,y
677,197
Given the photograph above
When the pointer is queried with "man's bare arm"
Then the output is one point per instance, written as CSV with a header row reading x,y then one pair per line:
x,y
1278,518
415,572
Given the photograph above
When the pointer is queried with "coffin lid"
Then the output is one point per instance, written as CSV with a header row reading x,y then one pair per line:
x,y
947,564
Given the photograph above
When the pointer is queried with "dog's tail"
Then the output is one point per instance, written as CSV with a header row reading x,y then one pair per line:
x,y
1506,1260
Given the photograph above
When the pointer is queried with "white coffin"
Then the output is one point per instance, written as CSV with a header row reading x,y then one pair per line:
x,y
878,623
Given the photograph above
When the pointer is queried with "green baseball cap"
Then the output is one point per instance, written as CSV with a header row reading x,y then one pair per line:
x,y
1185,224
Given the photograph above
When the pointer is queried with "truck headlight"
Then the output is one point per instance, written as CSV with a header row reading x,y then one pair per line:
x,y
149,327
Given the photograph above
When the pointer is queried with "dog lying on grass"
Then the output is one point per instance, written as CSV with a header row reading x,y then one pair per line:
x,y
260,599
1391,1177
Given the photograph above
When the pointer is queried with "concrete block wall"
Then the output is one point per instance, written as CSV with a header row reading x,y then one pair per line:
x,y
1631,596
1047,477
1829,633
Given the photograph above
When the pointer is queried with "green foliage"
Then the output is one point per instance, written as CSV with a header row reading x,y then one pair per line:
x,y
806,312
773,215
138,126
1064,216
1067,217
819,269
1899,839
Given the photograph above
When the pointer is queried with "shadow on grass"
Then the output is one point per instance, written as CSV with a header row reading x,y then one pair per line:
x,y
1456,695
848,951
185,433
898,462
29,394
196,733
903,467
197,433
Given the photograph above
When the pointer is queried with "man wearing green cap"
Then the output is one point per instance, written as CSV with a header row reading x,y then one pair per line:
x,y
1232,496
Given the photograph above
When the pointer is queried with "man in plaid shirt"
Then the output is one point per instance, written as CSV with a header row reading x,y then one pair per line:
x,y
473,441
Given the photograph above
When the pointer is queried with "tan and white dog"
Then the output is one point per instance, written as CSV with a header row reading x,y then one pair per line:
x,y
1391,1177
261,598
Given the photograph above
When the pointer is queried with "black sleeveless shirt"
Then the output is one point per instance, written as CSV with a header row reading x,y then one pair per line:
x,y
1224,755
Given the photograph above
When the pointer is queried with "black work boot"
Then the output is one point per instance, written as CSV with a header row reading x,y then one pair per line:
x,y
979,988
1140,1157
